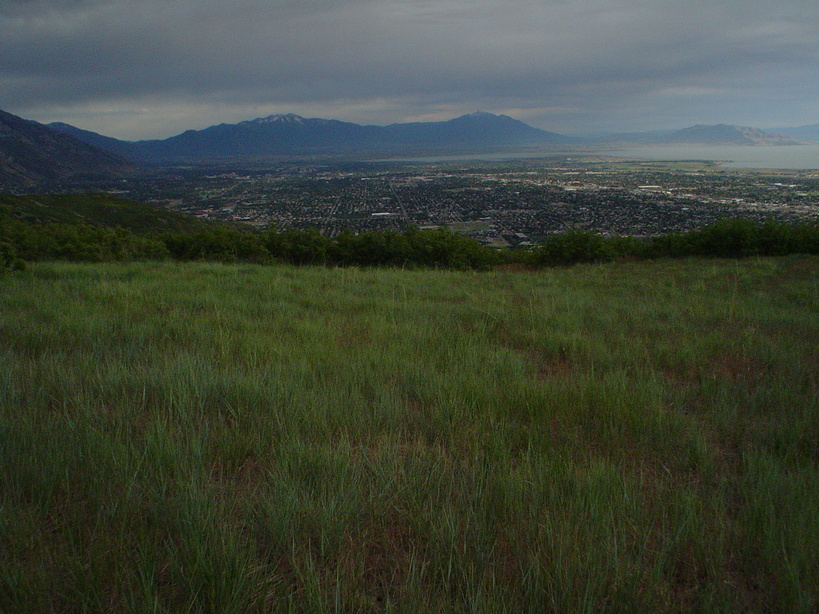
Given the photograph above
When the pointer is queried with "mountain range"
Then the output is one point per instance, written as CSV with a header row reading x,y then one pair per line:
x,y
33,154
281,135
290,134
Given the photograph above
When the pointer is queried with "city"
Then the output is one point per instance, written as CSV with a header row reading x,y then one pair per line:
x,y
501,204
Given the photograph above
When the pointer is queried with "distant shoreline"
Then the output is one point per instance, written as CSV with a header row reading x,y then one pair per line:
x,y
780,157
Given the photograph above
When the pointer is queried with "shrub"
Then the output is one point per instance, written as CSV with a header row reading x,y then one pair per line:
x,y
9,260
297,246
219,243
573,247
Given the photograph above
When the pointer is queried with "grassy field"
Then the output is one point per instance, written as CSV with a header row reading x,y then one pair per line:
x,y
629,437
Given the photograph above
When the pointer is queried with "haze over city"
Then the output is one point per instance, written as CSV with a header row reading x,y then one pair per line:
x,y
154,68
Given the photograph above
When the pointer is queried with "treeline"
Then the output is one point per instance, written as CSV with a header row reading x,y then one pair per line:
x,y
729,238
22,241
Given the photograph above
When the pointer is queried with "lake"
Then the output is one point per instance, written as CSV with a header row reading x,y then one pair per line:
x,y
797,157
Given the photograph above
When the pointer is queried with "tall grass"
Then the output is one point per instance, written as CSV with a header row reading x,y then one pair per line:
x,y
215,438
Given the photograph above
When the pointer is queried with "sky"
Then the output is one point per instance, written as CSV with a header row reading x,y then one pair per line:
x,y
137,69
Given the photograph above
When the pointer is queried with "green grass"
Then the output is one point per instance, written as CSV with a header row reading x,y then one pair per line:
x,y
213,438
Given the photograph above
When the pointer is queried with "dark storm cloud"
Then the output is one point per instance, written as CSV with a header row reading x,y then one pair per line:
x,y
560,64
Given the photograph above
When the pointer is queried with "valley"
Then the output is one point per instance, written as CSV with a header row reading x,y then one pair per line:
x,y
500,203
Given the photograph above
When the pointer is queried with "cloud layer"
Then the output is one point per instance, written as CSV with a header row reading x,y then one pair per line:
x,y
147,68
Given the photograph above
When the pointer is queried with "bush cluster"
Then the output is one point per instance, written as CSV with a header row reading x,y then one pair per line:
x,y
412,248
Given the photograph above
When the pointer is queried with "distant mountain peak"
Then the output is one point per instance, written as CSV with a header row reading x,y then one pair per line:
x,y
484,116
481,115
279,118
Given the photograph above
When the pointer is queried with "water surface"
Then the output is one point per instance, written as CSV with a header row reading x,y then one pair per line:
x,y
797,157
794,157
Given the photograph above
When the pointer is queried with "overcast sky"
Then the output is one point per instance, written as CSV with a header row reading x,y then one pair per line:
x,y
153,68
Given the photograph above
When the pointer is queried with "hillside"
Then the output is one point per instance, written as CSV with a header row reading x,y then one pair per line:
x,y
33,155
106,143
97,210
